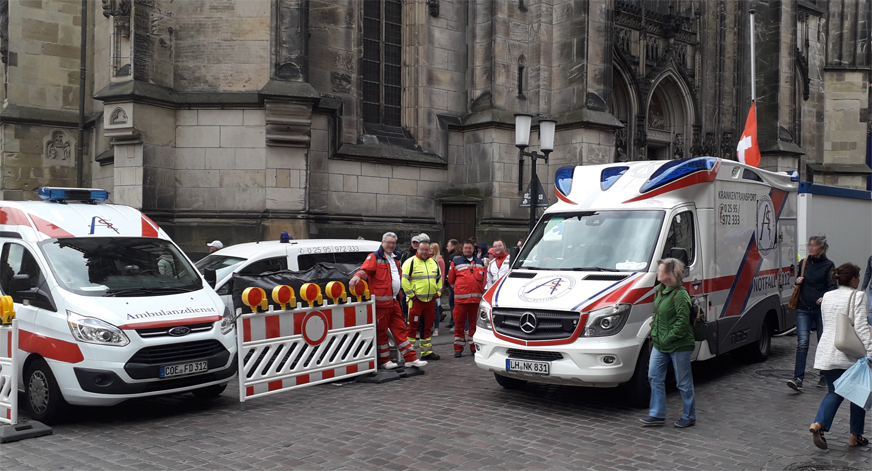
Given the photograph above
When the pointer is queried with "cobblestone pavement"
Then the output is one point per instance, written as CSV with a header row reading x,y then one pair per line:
x,y
457,417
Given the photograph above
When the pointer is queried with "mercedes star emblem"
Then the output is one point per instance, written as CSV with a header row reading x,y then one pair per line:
x,y
529,322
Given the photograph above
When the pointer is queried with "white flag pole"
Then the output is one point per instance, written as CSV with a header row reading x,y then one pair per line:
x,y
753,69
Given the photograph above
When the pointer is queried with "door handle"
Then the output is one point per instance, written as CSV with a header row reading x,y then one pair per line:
x,y
696,284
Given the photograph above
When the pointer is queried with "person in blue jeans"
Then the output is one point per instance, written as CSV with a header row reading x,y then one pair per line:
x,y
832,362
673,341
817,279
867,287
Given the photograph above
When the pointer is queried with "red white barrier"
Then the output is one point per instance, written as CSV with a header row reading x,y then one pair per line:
x,y
281,350
8,374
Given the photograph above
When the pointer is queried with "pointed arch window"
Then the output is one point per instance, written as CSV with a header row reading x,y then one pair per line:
x,y
382,61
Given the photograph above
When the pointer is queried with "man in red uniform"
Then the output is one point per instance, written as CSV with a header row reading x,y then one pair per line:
x,y
382,272
468,277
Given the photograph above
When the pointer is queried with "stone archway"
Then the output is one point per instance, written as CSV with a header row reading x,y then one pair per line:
x,y
668,118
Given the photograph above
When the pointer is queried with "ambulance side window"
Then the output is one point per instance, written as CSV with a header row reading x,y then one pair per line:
x,y
681,235
266,265
17,260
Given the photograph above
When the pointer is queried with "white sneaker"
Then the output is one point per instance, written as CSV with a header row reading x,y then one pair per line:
x,y
436,334
391,365
417,363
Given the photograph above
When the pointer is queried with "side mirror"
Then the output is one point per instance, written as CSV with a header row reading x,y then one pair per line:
x,y
211,277
20,283
679,253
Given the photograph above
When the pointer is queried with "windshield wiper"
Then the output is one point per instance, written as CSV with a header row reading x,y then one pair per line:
x,y
540,268
150,291
594,269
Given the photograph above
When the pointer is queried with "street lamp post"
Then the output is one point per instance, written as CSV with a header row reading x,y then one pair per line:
x,y
523,122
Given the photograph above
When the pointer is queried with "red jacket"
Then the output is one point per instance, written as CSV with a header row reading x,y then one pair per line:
x,y
376,271
468,279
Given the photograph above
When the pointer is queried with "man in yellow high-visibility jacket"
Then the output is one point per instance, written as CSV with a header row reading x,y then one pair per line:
x,y
422,284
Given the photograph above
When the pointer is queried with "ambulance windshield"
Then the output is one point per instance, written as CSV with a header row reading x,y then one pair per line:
x,y
593,240
120,266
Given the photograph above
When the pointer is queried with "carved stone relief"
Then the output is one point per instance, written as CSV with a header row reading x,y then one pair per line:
x,y
58,147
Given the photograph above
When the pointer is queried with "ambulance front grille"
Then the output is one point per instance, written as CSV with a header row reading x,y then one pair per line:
x,y
177,352
550,325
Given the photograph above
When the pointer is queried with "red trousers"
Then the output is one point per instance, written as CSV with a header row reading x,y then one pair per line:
x,y
391,317
462,313
420,311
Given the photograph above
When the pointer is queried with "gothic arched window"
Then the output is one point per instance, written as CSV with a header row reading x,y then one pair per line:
x,y
382,61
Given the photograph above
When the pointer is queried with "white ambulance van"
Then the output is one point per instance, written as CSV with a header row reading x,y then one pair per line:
x,y
109,308
576,307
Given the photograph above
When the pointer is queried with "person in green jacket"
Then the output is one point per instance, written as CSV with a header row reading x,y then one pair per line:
x,y
672,336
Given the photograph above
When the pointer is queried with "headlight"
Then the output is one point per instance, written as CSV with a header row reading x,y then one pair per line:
x,y
607,321
483,320
228,322
90,330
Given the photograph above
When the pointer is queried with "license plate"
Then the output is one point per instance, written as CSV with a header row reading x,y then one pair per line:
x,y
527,366
184,369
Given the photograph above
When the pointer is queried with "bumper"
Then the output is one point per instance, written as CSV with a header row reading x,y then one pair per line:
x,y
97,383
584,362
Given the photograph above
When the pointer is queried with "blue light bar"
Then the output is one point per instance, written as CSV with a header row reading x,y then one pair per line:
x,y
72,194
563,179
610,175
671,171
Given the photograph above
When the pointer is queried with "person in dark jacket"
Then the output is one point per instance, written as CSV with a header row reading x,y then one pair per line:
x,y
866,279
817,280
453,252
673,341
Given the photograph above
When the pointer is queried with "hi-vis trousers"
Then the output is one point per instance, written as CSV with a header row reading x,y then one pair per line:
x,y
391,317
421,312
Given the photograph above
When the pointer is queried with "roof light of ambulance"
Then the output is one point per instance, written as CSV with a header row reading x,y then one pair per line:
x,y
610,175
563,179
77,194
676,169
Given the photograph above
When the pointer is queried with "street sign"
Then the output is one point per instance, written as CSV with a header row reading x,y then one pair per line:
x,y
542,201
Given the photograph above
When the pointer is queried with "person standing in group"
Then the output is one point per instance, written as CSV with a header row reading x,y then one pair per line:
x,y
467,275
436,254
422,285
816,278
453,252
500,264
673,341
516,250
481,250
405,255
382,270
832,362
868,288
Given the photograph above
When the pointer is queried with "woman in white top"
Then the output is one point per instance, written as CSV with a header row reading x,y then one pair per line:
x,y
831,361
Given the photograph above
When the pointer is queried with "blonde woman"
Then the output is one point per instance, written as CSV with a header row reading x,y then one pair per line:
x,y
673,342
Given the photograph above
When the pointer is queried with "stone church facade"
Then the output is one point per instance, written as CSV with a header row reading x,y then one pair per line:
x,y
239,119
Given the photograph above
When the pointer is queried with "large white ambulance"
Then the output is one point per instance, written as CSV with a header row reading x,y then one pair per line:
x,y
576,307
109,308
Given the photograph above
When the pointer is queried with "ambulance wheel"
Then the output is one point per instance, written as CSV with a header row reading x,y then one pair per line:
x,y
638,389
757,351
510,383
44,397
210,392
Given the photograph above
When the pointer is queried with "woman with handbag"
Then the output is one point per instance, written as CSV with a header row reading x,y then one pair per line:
x,y
841,334
672,336
814,280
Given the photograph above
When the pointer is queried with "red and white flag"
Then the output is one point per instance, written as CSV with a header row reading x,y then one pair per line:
x,y
748,151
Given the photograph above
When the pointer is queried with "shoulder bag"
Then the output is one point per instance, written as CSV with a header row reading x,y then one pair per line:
x,y
794,297
847,340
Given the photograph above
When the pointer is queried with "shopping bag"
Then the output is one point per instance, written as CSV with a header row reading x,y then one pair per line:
x,y
855,384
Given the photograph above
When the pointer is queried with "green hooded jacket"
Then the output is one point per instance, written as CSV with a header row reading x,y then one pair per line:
x,y
670,328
